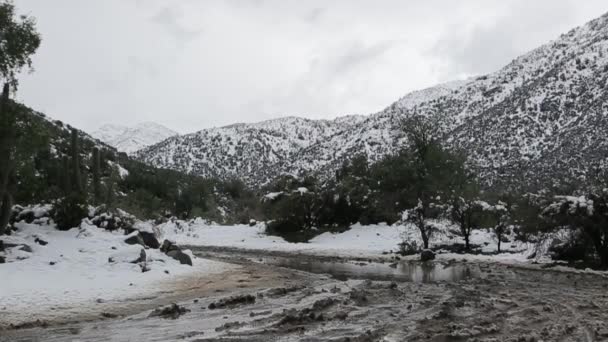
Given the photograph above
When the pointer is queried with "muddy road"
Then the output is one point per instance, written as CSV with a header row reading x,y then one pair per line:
x,y
303,298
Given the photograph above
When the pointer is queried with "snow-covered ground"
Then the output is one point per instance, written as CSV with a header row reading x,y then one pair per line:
x,y
73,272
359,241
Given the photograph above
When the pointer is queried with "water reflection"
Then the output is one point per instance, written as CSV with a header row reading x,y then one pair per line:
x,y
411,271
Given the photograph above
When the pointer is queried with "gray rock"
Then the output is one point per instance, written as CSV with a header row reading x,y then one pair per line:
x,y
149,239
26,248
135,240
168,246
172,311
142,256
180,256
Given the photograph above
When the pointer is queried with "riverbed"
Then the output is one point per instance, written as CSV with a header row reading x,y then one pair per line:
x,y
305,298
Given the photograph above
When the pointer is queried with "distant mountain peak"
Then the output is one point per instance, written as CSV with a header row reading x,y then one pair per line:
x,y
131,139
540,121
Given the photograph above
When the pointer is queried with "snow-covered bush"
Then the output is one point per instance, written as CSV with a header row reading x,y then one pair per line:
x,y
585,214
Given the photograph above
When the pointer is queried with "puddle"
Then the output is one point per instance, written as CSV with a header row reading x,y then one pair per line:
x,y
404,271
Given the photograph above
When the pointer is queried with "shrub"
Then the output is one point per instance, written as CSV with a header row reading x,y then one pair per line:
x,y
70,211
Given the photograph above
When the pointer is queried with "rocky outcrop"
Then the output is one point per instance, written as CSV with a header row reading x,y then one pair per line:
x,y
172,250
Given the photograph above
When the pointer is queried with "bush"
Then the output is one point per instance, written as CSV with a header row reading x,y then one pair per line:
x,y
70,211
574,248
408,247
290,231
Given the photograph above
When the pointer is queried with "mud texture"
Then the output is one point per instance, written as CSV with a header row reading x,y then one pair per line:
x,y
500,303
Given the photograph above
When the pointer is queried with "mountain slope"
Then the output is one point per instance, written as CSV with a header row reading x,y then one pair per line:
x,y
130,139
539,121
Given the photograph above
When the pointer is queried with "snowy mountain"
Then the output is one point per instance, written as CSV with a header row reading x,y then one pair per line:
x,y
539,121
130,139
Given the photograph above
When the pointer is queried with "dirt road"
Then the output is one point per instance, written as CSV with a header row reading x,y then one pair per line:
x,y
480,303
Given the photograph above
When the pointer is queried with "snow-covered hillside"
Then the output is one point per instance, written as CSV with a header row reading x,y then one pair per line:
x,y
130,139
539,121
244,150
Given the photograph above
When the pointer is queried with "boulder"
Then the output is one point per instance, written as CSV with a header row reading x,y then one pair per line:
x,y
135,238
180,256
26,248
427,255
41,242
168,246
149,239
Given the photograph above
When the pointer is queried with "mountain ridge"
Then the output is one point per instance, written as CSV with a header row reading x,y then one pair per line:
x,y
537,121
131,139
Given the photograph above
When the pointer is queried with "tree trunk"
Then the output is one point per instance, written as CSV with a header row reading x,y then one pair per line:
x,y
5,140
467,245
425,237
5,211
604,258
499,241
601,249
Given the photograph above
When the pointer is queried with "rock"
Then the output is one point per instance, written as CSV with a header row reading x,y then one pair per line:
x,y
130,255
26,248
149,239
168,246
175,252
252,222
427,255
180,256
2,260
172,311
41,242
135,239
142,256
232,301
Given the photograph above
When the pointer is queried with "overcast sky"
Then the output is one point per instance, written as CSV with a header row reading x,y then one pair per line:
x,y
193,64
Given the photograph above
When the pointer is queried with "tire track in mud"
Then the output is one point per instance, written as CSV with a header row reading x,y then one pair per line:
x,y
503,304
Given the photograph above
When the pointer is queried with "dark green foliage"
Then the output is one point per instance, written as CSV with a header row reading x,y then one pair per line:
x,y
69,211
66,180
468,215
587,215
5,211
75,162
19,41
295,212
96,174
7,153
72,208
436,174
